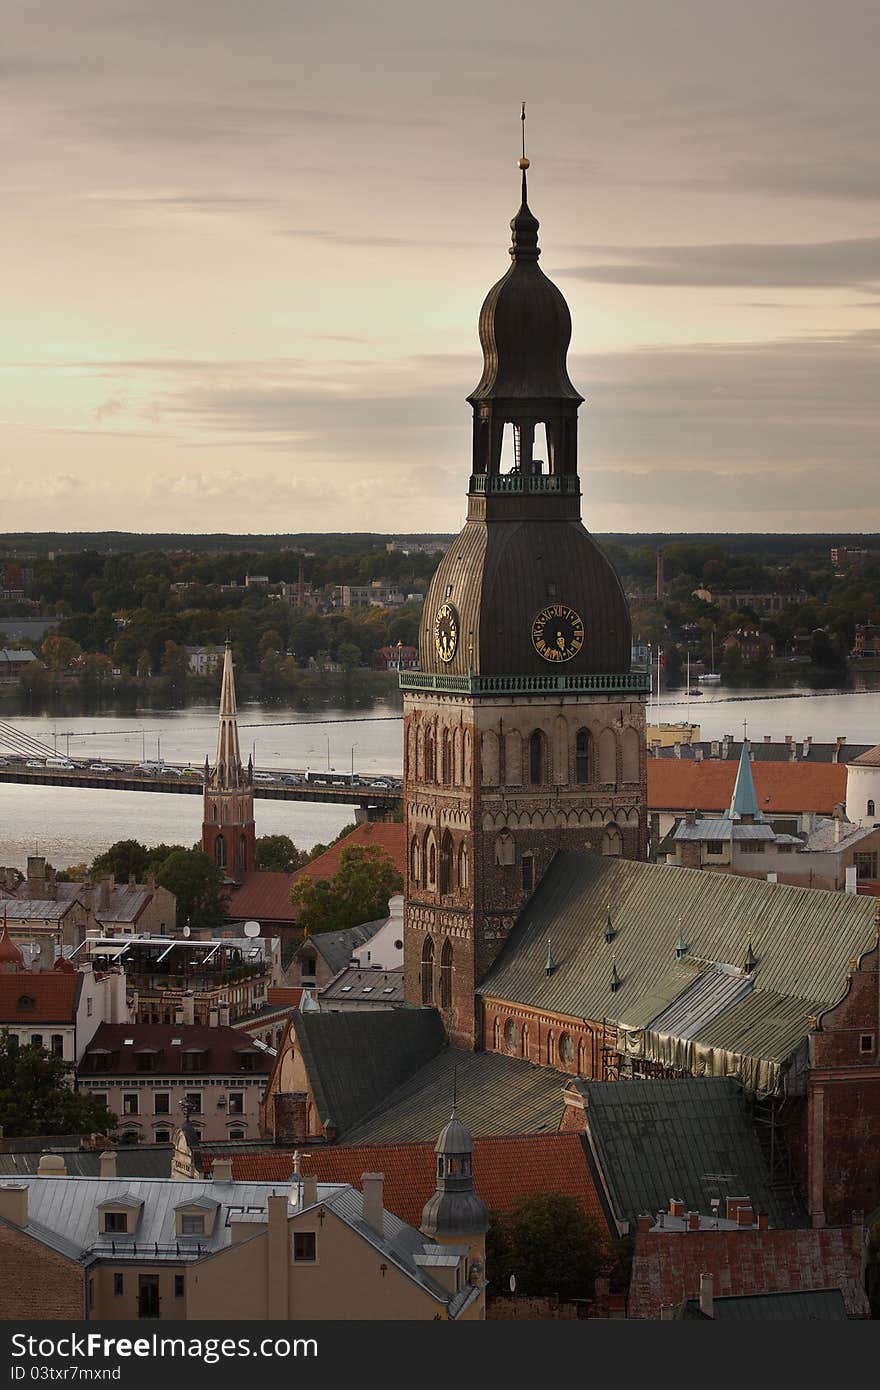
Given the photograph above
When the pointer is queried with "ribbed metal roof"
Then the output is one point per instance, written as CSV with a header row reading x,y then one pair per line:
x,y
723,830
712,993
496,1095
501,575
689,1139
805,1305
803,939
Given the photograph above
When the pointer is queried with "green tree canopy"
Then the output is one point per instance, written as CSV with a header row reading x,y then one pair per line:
x,y
278,854
549,1243
121,859
36,1099
360,891
197,884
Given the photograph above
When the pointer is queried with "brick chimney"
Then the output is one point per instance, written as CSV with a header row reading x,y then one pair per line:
x,y
51,1166
373,1184
706,1296
108,1164
310,1189
745,1216
644,1224
763,1221
104,892
676,1206
222,1171
693,1218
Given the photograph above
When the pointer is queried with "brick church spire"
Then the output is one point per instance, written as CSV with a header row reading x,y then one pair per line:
x,y
228,831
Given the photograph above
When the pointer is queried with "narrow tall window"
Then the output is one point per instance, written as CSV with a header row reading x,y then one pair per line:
x,y
428,971
414,859
446,975
462,868
536,758
870,808
582,757
447,860
220,852
446,758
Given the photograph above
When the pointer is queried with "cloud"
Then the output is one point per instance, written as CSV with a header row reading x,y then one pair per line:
x,y
777,265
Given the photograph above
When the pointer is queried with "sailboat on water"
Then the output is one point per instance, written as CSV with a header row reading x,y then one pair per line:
x,y
711,677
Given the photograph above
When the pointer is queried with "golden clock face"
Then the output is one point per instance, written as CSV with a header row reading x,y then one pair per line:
x,y
446,632
558,632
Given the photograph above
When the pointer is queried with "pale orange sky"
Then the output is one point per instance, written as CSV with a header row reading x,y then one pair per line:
x,y
244,249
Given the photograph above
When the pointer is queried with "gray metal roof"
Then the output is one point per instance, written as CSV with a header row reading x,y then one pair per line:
x,y
803,938
366,985
500,1095
720,829
822,840
336,946
710,994
814,1305
690,1139
355,1060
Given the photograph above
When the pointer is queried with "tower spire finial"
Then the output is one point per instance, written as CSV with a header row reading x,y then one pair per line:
x,y
524,163
524,226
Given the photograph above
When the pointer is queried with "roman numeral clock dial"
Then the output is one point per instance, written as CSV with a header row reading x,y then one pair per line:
x,y
446,632
558,633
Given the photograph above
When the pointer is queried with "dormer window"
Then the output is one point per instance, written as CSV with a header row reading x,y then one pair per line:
x,y
26,1001
247,1061
192,1225
196,1219
193,1059
116,1222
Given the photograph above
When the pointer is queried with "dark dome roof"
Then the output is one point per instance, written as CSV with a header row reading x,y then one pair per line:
x,y
525,328
454,1138
502,575
454,1214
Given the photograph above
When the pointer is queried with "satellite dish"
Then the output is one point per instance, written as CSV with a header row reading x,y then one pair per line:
x,y
186,931
513,1283
252,929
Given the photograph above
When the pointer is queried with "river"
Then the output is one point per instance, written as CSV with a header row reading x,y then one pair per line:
x,y
71,825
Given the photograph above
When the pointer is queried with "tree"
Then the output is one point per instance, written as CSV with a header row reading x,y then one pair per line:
x,y
360,891
197,884
349,656
123,858
60,653
36,1099
278,854
549,1243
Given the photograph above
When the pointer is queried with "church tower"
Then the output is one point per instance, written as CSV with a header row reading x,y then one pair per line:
x,y
228,831
524,730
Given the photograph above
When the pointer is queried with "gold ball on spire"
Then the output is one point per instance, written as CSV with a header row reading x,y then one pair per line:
x,y
523,163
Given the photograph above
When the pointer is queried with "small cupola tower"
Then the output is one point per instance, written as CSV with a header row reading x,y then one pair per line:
x,y
11,958
228,830
455,1214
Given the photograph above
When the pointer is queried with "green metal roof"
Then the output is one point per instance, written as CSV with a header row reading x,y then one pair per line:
x,y
692,1139
354,1060
803,939
809,1305
498,1095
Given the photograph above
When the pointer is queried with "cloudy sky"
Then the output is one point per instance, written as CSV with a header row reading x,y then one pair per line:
x,y
244,247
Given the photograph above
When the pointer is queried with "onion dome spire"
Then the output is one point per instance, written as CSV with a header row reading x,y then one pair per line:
x,y
11,958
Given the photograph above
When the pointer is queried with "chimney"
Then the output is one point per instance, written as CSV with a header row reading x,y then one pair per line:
x,y
644,1224
763,1221
698,753
690,817
36,877
788,739
108,1164
223,1013
51,1166
676,1206
706,1299
104,892
808,743
744,1216
14,1202
151,882
46,956
374,1215
222,1170
310,1190
732,1205
277,1258
693,1220
188,1009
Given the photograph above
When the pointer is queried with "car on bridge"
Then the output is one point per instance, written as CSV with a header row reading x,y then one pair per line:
x,y
36,762
101,767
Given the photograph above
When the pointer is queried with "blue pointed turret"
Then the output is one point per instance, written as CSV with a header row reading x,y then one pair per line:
x,y
744,801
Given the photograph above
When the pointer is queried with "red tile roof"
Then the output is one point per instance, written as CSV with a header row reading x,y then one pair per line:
x,y
667,1266
285,997
55,997
782,788
505,1170
265,896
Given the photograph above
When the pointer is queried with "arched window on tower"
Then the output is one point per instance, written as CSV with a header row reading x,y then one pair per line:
x,y
525,1040
429,860
582,756
447,861
242,851
630,755
445,758
537,758
428,971
429,756
870,808
220,852
462,867
214,811
551,1050
446,975
414,858
612,843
